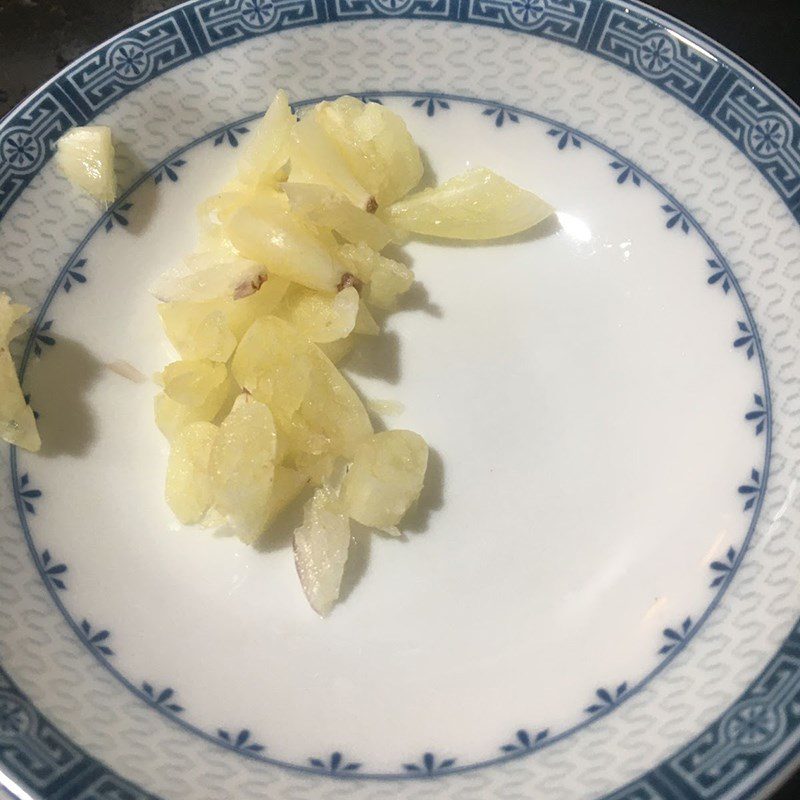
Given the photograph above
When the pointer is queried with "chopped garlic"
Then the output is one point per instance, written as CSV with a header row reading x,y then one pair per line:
x,y
86,156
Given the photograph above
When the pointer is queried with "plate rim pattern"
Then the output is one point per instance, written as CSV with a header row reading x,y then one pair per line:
x,y
757,117
676,218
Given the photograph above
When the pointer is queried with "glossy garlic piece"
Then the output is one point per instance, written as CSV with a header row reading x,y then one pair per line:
x,y
385,478
198,330
208,275
474,206
314,404
189,490
376,145
385,278
274,363
86,157
319,316
330,209
17,423
243,311
266,150
287,484
212,329
321,547
315,158
267,233
243,467
192,382
171,416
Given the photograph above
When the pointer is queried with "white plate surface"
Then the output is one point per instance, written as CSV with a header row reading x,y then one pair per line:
x,y
596,592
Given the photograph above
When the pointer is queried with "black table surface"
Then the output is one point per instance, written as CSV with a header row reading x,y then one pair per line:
x,y
39,37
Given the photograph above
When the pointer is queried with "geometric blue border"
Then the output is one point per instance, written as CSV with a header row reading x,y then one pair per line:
x,y
745,107
247,748
88,780
55,768
74,775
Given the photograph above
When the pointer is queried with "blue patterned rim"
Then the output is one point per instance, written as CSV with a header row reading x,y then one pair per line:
x,y
760,121
623,172
758,118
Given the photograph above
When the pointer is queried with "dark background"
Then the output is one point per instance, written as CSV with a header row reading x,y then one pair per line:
x,y
39,37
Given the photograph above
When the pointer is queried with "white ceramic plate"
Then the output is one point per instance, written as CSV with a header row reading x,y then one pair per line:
x,y
599,594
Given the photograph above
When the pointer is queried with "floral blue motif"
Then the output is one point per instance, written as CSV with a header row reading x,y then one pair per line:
x,y
430,104
20,149
755,724
656,54
162,698
116,216
54,572
527,12
675,637
675,218
129,60
625,171
429,765
231,135
751,490
258,13
758,414
768,137
500,115
75,274
169,171
336,763
241,741
525,742
723,568
746,340
42,337
607,699
27,494
97,639
719,275
565,137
